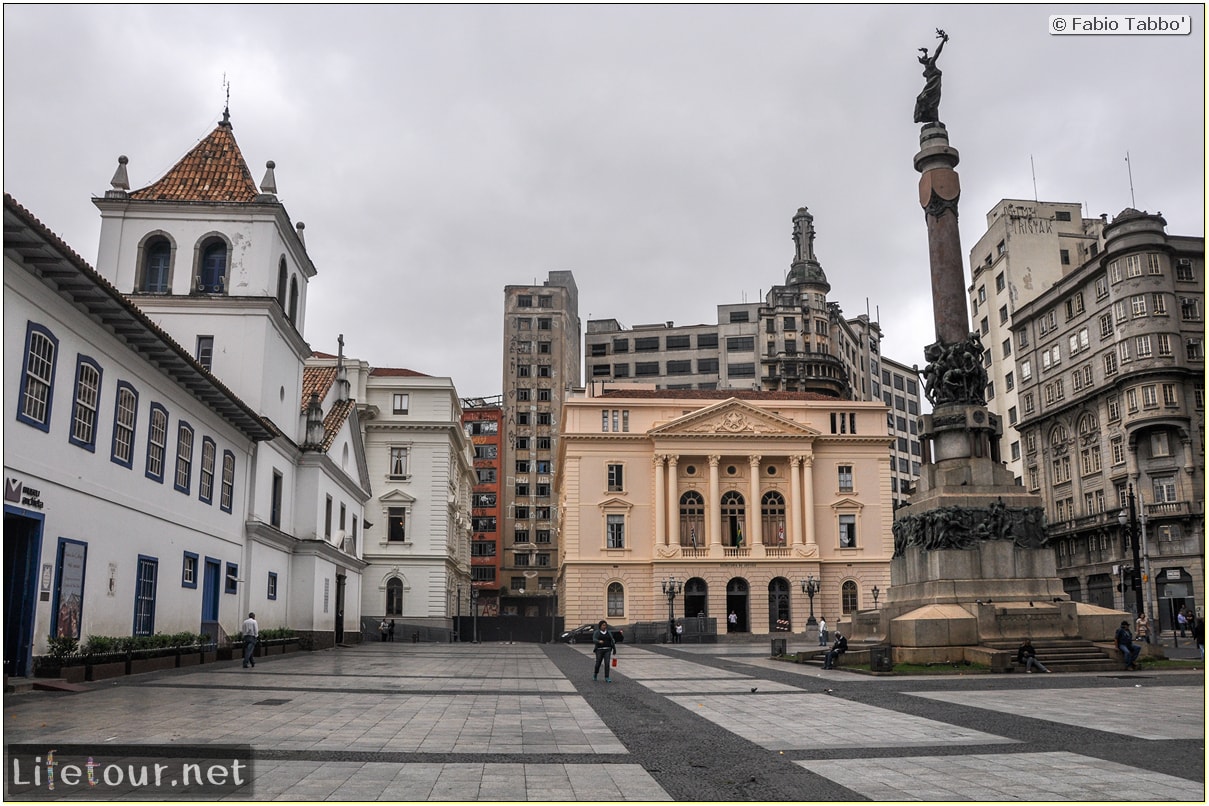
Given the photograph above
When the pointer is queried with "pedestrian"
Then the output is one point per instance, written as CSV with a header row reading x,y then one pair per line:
x,y
678,635
384,629
1141,628
1198,635
837,649
251,633
732,622
1026,656
1124,642
390,631
605,645
822,631
1182,619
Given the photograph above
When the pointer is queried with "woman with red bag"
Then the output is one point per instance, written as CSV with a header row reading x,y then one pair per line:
x,y
606,645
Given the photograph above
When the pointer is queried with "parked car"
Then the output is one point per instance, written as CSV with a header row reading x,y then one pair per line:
x,y
580,635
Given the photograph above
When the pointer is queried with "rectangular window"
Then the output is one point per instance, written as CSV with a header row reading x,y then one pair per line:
x,y
741,344
845,478
1064,256
1133,266
847,531
621,345
400,403
544,323
741,370
396,524
205,351
1101,287
87,401
646,344
184,457
1183,270
227,494
232,580
707,366
615,531
1164,340
275,501
1110,363
1164,490
189,570
1150,396
327,518
1170,397
205,486
1003,314
271,588
124,418
1190,308
524,301
144,595
1143,345
646,368
1137,304
38,376
680,367
615,479
545,418
1009,381
1000,282
543,370
398,463
681,342
1158,302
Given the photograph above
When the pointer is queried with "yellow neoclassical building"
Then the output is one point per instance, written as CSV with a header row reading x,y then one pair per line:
x,y
741,496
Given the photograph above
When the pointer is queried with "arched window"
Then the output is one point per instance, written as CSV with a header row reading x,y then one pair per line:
x,y
293,312
1088,424
1057,437
692,519
282,278
733,513
848,597
157,266
212,274
772,518
394,597
615,604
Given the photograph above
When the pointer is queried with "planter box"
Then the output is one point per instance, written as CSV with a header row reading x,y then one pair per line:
x,y
103,671
188,659
72,674
142,665
227,653
276,649
291,647
209,656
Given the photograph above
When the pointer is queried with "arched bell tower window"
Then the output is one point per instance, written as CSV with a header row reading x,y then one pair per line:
x,y
156,274
282,274
293,313
212,270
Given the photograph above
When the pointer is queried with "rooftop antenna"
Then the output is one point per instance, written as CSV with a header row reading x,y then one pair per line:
x,y
1129,167
1034,168
226,109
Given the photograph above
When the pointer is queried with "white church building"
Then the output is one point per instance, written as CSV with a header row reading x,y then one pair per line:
x,y
167,468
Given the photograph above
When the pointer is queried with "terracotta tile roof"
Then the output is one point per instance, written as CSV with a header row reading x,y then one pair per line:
x,y
318,380
397,372
214,171
715,394
334,419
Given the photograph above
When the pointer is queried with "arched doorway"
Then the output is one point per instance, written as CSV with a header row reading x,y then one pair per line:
x,y
736,602
778,605
695,597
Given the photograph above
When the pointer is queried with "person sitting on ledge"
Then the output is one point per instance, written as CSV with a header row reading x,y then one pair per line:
x,y
1026,656
838,648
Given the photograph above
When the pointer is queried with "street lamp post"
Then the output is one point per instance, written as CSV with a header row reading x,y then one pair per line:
x,y
810,586
474,610
671,587
876,593
1129,527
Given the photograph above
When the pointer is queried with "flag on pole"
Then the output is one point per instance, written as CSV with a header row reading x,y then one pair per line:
x,y
781,535
738,534
692,536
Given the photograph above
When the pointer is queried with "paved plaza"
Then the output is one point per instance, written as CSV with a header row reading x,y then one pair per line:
x,y
524,722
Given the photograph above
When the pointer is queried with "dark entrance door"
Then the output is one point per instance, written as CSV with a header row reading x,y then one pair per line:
x,y
210,577
778,605
340,580
695,591
736,602
22,547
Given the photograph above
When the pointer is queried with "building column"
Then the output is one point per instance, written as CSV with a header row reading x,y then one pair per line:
x,y
808,498
660,517
673,501
713,524
755,533
795,500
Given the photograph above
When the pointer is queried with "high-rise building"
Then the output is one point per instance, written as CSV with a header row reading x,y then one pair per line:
x,y
541,364
1028,246
483,421
1110,362
795,340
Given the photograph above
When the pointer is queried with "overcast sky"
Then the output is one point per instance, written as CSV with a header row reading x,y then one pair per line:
x,y
437,154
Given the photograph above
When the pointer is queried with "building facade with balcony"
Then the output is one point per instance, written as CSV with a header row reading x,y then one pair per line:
x,y
541,365
740,495
1111,383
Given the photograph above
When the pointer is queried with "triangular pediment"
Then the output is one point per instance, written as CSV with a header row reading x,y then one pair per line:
x,y
847,503
732,418
396,497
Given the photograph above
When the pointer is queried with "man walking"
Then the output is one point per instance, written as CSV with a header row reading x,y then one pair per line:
x,y
251,632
